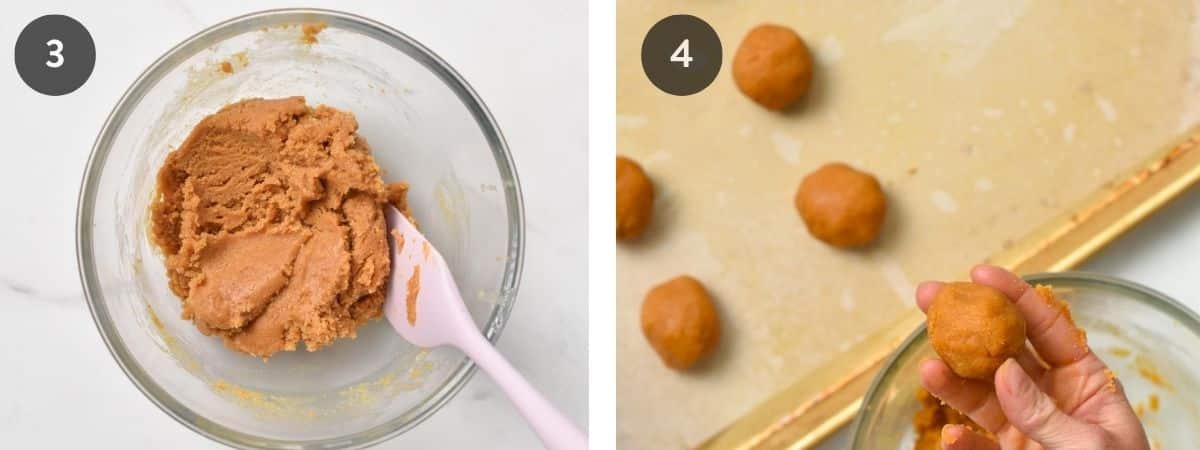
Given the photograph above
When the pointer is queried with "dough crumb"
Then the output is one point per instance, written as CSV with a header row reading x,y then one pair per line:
x,y
399,239
1152,376
235,62
1110,380
309,32
410,300
1052,300
932,417
397,196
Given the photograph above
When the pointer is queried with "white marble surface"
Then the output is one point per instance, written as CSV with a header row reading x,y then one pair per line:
x,y
1160,253
63,390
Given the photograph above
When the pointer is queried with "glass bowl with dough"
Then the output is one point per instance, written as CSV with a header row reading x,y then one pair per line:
x,y
1150,341
425,126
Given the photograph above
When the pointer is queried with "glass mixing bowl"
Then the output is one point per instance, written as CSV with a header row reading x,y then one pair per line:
x,y
425,126
1150,341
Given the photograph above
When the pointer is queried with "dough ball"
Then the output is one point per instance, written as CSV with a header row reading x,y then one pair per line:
x,y
841,205
773,66
679,320
635,199
975,328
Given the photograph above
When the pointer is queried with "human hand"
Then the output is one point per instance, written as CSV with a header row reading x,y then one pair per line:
x,y
1057,395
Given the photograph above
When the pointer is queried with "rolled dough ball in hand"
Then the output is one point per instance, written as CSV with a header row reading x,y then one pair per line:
x,y
773,66
842,206
635,199
679,320
974,329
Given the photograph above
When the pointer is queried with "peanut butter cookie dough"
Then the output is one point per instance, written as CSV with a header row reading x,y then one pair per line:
x,y
842,206
270,219
635,199
773,66
680,321
974,329
932,417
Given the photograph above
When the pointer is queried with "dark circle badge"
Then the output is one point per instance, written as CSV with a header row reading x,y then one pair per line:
x,y
681,54
55,55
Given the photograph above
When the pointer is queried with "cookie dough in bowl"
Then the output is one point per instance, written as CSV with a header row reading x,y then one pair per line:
x,y
422,123
270,218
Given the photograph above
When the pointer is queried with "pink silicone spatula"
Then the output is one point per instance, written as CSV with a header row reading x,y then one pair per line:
x,y
423,305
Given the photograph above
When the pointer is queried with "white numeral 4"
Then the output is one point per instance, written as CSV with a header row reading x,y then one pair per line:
x,y
681,54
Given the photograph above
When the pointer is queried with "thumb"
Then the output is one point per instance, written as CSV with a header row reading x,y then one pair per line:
x,y
1034,413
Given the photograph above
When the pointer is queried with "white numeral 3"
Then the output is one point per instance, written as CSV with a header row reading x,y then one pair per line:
x,y
56,53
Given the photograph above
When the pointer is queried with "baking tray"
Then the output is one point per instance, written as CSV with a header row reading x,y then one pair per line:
x,y
814,407
984,121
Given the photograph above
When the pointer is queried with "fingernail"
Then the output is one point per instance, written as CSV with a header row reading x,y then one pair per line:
x,y
927,285
929,377
951,434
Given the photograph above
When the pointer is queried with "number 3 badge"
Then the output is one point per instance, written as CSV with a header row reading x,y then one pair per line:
x,y
55,55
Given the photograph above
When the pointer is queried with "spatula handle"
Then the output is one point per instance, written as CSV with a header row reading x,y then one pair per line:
x,y
554,429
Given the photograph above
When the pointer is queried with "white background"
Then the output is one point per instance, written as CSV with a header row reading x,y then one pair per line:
x,y
61,389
